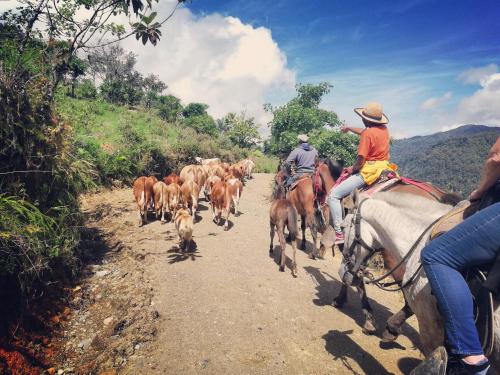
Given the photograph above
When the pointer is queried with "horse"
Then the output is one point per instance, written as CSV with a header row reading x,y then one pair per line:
x,y
302,198
283,214
401,223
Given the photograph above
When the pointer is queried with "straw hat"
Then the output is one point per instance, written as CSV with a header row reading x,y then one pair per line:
x,y
303,138
373,112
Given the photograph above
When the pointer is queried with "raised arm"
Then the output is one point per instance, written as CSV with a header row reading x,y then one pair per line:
x,y
357,131
491,172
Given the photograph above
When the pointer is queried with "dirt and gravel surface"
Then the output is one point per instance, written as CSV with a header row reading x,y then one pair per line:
x,y
145,307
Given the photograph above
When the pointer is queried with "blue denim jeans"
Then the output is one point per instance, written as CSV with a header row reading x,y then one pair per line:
x,y
474,242
345,188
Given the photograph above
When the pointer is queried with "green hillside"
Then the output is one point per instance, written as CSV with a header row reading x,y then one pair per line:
x,y
122,143
451,160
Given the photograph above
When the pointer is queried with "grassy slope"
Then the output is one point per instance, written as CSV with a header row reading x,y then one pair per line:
x,y
125,142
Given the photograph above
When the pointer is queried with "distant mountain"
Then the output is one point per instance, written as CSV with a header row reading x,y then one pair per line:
x,y
451,160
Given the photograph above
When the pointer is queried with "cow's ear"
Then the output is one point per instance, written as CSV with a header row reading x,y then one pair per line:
x,y
355,197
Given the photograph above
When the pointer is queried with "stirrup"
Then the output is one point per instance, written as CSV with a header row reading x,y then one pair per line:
x,y
434,364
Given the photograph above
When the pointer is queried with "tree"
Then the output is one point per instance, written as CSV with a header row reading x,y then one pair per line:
x,y
240,130
300,115
203,124
169,107
194,109
152,86
303,115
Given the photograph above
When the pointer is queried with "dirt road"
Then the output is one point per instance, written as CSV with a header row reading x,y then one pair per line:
x,y
225,308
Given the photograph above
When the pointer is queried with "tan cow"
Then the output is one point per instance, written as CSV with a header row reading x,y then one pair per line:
x,y
248,166
184,226
141,196
160,199
220,201
173,198
194,173
237,171
234,189
217,170
190,192
210,162
150,181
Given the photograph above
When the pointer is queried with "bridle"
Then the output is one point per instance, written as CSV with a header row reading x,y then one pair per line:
x,y
357,270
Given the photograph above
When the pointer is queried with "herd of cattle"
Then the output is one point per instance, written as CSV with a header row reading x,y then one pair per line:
x,y
176,196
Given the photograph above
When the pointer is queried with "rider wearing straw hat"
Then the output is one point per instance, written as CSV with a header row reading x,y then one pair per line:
x,y
373,158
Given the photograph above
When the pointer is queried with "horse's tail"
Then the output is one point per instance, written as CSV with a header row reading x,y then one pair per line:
x,y
292,221
335,168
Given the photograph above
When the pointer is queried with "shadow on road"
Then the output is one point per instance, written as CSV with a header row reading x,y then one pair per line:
x,y
176,254
327,289
341,346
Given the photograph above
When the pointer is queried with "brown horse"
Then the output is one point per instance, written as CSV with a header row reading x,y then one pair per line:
x,y
283,214
302,198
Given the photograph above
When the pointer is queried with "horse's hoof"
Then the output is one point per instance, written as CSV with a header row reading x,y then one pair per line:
x,y
226,229
369,328
282,268
312,256
388,336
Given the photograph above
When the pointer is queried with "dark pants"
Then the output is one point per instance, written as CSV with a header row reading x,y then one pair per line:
x,y
474,242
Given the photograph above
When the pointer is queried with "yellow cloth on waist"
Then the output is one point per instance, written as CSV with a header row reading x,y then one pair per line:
x,y
372,169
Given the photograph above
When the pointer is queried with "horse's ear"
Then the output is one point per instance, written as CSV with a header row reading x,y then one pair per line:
x,y
355,197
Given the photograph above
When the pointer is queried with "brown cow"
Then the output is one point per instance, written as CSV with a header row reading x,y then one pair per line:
x,y
172,178
141,198
173,198
234,188
220,201
160,199
217,170
190,192
150,181
211,180
237,171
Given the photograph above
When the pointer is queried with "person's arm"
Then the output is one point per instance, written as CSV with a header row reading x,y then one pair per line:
x,y
360,161
491,172
291,158
357,131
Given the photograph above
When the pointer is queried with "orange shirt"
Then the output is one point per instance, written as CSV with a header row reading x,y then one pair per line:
x,y
374,143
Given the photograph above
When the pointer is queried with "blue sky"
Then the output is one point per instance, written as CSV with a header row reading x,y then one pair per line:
x,y
401,53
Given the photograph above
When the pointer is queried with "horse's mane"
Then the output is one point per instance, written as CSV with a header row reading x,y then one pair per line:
x,y
334,167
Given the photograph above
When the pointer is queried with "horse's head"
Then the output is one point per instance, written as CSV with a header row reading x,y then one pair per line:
x,y
358,244
279,183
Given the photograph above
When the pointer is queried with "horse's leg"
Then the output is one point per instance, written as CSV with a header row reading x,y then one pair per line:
x,y
303,227
271,248
394,323
369,327
294,250
341,298
281,237
314,232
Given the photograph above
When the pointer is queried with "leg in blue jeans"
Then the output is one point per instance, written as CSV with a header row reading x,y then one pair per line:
x,y
345,188
476,241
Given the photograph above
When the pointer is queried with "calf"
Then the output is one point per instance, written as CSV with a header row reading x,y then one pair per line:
x,y
190,193
234,190
173,198
141,198
281,215
184,226
220,202
160,199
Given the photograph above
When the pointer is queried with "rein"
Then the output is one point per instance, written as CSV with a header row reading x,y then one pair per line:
x,y
358,241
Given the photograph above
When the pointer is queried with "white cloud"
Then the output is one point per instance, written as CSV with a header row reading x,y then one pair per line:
x,y
476,75
482,107
217,60
435,103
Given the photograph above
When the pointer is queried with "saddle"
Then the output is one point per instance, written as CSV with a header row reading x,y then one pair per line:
x,y
484,282
301,178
